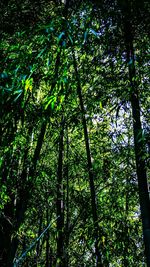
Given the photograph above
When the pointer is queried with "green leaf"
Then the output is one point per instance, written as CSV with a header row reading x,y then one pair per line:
x,y
85,37
17,91
100,105
42,51
71,40
50,101
52,104
61,35
94,32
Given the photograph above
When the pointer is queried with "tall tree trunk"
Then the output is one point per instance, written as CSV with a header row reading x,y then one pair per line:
x,y
28,185
48,258
15,213
138,139
141,170
126,232
8,245
38,243
66,175
60,207
90,169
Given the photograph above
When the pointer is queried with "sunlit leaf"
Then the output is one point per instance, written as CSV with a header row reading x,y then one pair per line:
x,y
29,84
100,105
94,32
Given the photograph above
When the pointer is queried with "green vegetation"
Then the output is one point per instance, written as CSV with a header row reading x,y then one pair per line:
x,y
74,134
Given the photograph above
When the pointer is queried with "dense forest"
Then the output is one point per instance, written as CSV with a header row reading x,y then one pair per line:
x,y
74,133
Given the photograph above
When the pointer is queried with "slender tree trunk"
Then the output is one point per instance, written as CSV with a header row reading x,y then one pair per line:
x,y
8,245
90,170
66,175
60,207
138,140
125,226
38,243
141,173
27,186
48,259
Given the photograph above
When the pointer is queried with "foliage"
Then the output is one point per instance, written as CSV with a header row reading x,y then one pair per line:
x,y
38,89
